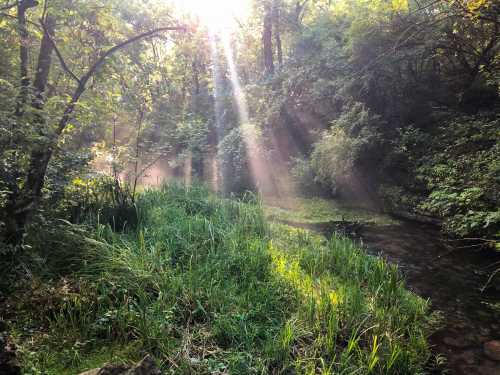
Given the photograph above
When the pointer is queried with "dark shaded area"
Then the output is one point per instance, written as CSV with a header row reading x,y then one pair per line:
x,y
8,361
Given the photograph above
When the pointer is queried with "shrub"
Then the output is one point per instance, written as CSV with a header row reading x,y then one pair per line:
x,y
306,182
462,175
234,163
348,149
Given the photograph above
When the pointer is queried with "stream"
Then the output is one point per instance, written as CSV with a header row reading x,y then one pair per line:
x,y
452,278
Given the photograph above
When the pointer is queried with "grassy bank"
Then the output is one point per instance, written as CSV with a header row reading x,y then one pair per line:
x,y
320,210
208,287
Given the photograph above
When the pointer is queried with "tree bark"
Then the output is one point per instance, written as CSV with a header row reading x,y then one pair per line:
x,y
44,63
22,7
299,12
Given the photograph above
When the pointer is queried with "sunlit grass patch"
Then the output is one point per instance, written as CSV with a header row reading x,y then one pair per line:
x,y
354,307
320,210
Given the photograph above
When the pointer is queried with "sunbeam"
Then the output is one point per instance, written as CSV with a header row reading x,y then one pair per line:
x,y
219,126
258,166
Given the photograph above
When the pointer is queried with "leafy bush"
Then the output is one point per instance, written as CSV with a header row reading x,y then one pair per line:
x,y
462,174
306,182
235,168
347,149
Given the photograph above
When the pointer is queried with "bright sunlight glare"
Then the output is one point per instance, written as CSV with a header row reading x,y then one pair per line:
x,y
218,15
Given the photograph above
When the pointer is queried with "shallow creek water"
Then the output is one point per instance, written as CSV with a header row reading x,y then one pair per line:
x,y
452,278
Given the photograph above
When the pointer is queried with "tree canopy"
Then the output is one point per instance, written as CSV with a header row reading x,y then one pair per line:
x,y
354,89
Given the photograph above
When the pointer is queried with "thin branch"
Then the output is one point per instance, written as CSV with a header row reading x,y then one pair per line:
x,y
58,53
483,288
137,149
45,7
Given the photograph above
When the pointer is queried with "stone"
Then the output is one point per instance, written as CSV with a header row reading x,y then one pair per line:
x,y
484,331
114,370
487,370
468,357
145,367
108,370
492,349
91,372
456,342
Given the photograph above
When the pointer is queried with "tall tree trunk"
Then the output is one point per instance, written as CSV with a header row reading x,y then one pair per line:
x,y
299,12
44,63
41,152
22,7
20,205
267,40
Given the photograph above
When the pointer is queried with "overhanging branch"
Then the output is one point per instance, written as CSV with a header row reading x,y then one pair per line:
x,y
93,69
82,82
58,53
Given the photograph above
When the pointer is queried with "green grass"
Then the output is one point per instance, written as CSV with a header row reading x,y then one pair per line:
x,y
319,210
208,287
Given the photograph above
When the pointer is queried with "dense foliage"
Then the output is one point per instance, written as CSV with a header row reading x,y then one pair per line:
x,y
402,104
462,173
349,87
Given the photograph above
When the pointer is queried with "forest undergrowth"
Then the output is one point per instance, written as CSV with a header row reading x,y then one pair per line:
x,y
207,286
